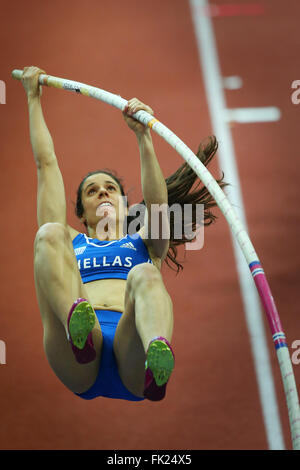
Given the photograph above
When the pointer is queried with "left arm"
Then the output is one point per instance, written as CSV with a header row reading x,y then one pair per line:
x,y
153,185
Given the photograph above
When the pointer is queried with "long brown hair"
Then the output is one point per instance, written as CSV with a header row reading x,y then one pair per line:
x,y
180,191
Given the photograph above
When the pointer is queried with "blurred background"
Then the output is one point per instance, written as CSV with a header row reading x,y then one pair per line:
x,y
150,51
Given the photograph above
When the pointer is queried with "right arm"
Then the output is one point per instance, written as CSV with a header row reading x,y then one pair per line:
x,y
51,200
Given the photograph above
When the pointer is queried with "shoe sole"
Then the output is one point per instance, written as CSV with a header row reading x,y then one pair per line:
x,y
81,323
160,360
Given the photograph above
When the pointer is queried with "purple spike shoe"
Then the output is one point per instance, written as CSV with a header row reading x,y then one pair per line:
x,y
81,321
159,365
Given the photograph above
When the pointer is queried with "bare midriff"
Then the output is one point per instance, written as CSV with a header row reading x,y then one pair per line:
x,y
107,294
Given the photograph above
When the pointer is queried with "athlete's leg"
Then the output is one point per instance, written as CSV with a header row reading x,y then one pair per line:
x,y
148,313
58,285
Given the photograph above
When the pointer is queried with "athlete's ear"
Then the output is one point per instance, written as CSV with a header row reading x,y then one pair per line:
x,y
82,218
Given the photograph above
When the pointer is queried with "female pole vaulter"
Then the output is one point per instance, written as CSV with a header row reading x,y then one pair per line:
x,y
107,316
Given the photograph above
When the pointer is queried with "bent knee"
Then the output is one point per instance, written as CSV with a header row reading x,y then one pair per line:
x,y
51,232
143,275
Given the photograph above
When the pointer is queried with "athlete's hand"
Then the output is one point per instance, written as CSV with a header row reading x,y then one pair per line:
x,y
133,106
30,81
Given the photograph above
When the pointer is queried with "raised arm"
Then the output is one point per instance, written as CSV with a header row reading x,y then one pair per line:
x,y
153,183
51,201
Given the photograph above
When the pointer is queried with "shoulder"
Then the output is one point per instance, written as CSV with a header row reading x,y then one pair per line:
x,y
156,258
73,233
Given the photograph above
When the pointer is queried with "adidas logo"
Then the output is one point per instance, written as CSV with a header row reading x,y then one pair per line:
x,y
80,250
128,245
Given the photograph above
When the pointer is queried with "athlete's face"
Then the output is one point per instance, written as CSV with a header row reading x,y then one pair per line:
x,y
102,198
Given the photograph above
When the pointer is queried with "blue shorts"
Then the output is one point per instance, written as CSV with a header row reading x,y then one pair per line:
x,y
108,382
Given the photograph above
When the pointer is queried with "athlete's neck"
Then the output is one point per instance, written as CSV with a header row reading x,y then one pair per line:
x,y
105,235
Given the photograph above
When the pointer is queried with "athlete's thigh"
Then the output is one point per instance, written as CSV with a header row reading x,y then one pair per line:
x,y
58,350
62,284
129,350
